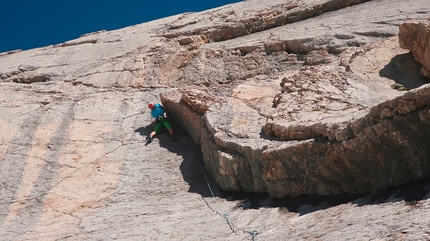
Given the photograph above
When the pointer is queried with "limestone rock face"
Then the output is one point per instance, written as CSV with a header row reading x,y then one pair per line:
x,y
415,36
292,132
281,98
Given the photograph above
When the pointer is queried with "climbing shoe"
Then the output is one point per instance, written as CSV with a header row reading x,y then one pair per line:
x,y
148,139
173,138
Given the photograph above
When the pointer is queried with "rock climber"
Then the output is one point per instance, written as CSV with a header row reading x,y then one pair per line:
x,y
160,115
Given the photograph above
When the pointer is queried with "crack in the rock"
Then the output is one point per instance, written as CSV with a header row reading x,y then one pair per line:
x,y
255,24
85,165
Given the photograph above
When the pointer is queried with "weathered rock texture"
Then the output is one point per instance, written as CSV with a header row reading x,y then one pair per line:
x,y
309,116
415,36
279,97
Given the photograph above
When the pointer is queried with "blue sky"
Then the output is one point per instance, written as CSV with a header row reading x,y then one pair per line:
x,y
27,24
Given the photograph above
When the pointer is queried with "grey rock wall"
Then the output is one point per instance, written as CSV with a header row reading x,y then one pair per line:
x,y
284,98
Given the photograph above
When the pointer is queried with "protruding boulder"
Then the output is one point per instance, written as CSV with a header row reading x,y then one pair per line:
x,y
415,36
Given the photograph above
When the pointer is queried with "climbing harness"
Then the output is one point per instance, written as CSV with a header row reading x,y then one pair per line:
x,y
221,213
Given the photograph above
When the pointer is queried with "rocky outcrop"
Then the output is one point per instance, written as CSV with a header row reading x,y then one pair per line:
x,y
415,36
279,97
315,129
381,148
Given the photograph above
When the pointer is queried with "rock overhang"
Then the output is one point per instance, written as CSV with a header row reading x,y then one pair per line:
x,y
243,140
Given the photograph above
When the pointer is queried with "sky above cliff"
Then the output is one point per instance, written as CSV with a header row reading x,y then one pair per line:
x,y
27,24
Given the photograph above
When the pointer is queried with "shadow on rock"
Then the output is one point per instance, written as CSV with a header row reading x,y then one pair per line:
x,y
411,193
201,182
192,167
145,131
405,71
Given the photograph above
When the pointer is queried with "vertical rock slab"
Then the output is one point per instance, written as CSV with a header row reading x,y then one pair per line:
x,y
415,36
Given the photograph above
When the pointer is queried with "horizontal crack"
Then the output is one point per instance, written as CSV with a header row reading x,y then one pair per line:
x,y
257,23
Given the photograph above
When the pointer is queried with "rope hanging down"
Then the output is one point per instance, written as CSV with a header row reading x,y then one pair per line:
x,y
221,213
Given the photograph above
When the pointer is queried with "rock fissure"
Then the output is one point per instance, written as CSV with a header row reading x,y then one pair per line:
x,y
79,42
251,25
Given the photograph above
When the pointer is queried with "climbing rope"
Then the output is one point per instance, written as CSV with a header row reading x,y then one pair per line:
x,y
221,213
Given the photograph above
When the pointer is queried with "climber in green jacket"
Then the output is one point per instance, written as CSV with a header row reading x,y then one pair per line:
x,y
158,112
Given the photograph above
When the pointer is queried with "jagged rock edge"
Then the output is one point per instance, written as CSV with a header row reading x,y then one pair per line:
x,y
218,34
